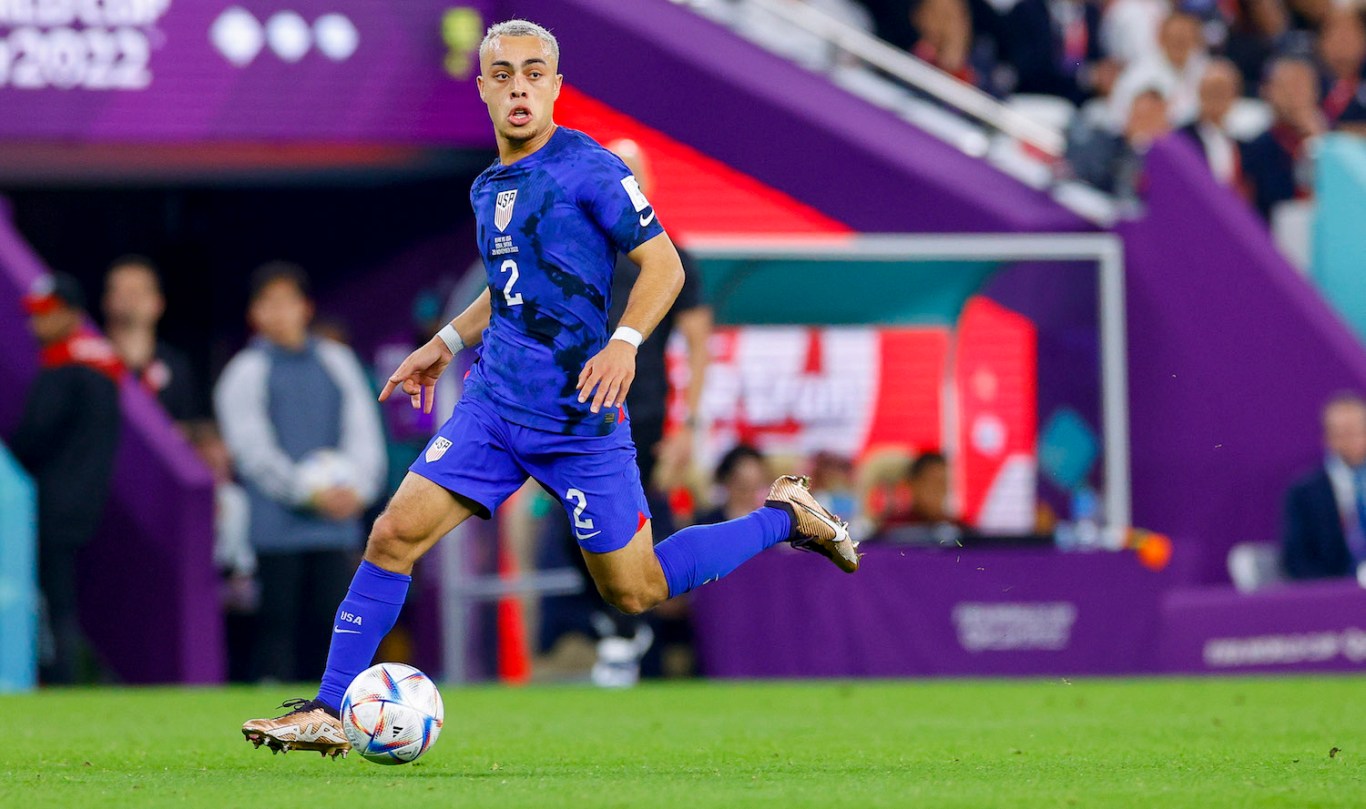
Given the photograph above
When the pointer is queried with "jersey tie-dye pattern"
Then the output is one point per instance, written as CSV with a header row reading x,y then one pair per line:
x,y
550,226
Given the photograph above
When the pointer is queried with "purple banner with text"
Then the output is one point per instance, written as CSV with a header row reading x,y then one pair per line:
x,y
164,71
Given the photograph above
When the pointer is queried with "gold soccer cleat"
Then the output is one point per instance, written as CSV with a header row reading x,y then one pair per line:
x,y
309,725
814,528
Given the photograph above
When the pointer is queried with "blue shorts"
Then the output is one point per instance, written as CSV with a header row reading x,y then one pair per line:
x,y
481,456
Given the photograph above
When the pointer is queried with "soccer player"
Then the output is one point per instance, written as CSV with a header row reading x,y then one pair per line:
x,y
544,400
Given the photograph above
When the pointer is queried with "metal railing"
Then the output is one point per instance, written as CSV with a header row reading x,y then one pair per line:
x,y
914,73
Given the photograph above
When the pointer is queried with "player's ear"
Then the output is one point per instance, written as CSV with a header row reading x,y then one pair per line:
x,y
479,82
559,82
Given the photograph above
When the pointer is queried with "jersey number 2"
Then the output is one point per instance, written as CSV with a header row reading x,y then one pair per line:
x,y
513,298
580,502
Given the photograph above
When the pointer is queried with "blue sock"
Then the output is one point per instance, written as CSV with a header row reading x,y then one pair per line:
x,y
365,616
705,553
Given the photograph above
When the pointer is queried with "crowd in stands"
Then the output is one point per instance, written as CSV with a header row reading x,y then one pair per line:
x,y
1134,71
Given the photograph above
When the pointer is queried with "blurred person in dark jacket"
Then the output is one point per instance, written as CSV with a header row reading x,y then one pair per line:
x,y
1276,162
1342,51
133,305
1325,511
1219,88
66,440
1114,163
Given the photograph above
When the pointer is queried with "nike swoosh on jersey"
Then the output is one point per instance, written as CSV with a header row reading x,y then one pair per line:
x,y
339,631
583,537
646,220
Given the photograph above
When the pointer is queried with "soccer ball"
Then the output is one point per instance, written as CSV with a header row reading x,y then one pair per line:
x,y
391,713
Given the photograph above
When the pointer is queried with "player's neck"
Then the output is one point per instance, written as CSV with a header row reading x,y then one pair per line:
x,y
510,152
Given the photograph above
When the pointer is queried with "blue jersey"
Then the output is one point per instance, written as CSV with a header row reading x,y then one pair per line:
x,y
550,227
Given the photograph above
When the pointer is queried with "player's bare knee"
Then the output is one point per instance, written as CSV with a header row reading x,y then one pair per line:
x,y
390,541
631,600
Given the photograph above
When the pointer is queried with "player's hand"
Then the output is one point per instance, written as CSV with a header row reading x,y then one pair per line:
x,y
610,373
337,503
418,372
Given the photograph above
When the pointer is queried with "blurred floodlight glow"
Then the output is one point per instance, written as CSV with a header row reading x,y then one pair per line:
x,y
289,36
237,35
336,36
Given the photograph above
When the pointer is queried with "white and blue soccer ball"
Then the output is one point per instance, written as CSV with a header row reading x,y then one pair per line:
x,y
324,469
391,713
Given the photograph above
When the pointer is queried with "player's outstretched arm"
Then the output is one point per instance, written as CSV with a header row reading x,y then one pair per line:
x,y
420,370
608,375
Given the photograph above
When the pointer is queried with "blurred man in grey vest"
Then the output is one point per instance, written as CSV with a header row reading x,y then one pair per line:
x,y
300,421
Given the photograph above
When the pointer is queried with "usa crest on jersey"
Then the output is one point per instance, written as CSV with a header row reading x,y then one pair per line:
x,y
502,211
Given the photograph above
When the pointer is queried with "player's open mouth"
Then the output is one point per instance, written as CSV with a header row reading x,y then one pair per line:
x,y
520,116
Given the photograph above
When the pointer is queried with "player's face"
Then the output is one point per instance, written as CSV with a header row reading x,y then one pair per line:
x,y
519,84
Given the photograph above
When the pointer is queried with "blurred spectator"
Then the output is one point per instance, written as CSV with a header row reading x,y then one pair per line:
x,y
944,37
302,425
1053,47
1176,68
1114,163
133,305
66,440
1342,49
663,461
1259,29
1219,88
892,21
1309,15
743,478
832,482
1276,163
929,480
1325,512
1129,29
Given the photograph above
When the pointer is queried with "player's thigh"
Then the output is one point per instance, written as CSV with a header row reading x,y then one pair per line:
x,y
630,577
596,480
419,513
471,459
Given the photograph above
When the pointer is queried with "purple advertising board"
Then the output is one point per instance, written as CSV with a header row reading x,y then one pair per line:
x,y
1313,626
174,71
932,612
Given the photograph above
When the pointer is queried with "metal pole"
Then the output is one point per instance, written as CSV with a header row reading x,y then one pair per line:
x,y
1114,367
454,608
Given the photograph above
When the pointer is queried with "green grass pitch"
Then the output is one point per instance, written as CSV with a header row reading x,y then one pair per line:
x,y
1297,742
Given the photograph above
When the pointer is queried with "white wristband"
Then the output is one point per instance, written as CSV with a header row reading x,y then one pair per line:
x,y
451,338
628,335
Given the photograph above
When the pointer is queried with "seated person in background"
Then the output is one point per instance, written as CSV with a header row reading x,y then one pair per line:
x,y
1053,47
927,517
1342,50
1276,161
1219,88
743,476
1324,532
1114,163
133,305
1177,68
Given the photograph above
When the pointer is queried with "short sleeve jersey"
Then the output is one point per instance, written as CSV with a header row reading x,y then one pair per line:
x,y
549,228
